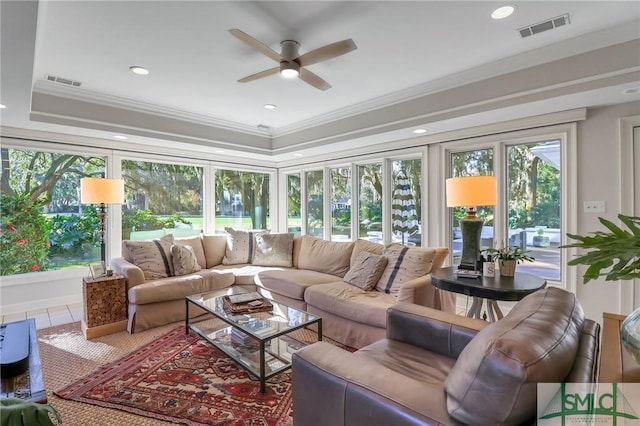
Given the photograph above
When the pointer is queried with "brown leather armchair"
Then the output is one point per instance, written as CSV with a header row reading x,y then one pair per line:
x,y
436,368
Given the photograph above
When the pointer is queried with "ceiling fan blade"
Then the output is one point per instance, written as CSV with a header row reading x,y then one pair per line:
x,y
327,52
260,47
261,74
313,79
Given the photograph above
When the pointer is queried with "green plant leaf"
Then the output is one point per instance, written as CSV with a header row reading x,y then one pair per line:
x,y
17,412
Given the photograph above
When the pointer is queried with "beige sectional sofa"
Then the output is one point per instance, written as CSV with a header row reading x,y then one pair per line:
x,y
314,282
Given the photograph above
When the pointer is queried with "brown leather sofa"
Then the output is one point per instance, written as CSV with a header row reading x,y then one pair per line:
x,y
436,368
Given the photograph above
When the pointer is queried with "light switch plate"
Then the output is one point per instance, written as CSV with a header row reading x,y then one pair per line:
x,y
594,207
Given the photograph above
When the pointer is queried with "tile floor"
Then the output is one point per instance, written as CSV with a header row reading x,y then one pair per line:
x,y
49,317
58,315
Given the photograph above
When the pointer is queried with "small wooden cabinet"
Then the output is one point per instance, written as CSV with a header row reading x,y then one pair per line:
x,y
616,365
105,306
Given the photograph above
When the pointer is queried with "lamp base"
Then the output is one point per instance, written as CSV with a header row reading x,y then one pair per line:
x,y
471,228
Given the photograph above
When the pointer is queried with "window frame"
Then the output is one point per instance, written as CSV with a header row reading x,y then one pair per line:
x,y
566,134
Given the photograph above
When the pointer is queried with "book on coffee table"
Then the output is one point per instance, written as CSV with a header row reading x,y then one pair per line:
x,y
254,305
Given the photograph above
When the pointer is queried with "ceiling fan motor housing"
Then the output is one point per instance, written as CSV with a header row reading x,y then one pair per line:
x,y
289,50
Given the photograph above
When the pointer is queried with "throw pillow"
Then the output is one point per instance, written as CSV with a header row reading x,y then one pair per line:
x,y
153,257
329,257
184,260
366,270
273,250
405,264
240,246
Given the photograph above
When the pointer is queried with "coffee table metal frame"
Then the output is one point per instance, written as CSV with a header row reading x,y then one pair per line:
x,y
278,324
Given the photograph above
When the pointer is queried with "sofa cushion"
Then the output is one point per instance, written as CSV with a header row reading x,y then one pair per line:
x,y
153,257
240,246
347,301
214,248
273,250
184,260
495,378
329,257
361,245
405,263
292,282
244,274
196,245
173,288
366,270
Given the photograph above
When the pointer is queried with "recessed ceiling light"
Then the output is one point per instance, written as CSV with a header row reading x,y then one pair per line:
x,y
632,90
503,12
121,137
219,151
270,106
139,70
297,154
2,106
420,131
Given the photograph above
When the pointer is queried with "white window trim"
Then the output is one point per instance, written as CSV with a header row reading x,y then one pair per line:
x,y
630,293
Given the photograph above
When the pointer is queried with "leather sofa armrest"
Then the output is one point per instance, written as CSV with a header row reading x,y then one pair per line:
x,y
335,387
131,273
436,331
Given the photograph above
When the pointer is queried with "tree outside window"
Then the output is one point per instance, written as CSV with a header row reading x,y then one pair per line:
x,y
315,203
242,200
341,203
293,204
161,199
43,225
370,203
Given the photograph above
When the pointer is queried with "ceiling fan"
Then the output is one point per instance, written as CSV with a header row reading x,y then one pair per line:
x,y
291,62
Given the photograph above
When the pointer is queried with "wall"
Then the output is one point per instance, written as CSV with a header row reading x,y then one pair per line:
x,y
598,180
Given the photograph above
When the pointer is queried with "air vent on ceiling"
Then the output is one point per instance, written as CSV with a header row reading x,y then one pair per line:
x,y
549,24
63,80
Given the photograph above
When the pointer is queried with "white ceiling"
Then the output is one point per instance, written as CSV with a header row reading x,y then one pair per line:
x,y
407,52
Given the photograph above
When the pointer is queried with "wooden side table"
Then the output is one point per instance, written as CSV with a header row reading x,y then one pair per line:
x,y
105,306
616,365
489,288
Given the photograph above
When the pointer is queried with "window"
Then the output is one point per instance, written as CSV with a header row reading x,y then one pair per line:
x,y
242,200
43,225
161,199
370,202
315,203
294,222
341,204
532,195
406,201
472,163
533,205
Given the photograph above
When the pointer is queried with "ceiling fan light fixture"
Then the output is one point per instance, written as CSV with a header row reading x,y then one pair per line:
x,y
289,69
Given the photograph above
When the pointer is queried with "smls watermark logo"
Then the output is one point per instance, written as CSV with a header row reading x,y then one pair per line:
x,y
588,404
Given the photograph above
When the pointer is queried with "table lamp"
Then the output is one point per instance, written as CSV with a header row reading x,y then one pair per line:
x,y
102,191
471,191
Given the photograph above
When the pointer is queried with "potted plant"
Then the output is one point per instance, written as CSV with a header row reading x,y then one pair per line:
x,y
615,255
507,258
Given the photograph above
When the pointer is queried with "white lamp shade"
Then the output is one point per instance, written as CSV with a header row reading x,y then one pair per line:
x,y
471,191
101,190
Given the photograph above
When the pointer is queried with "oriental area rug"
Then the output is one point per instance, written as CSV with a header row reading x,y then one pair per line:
x,y
184,379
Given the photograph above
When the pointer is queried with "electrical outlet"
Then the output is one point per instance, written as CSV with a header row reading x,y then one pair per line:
x,y
594,207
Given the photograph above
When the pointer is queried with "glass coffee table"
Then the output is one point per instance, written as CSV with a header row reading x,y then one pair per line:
x,y
260,342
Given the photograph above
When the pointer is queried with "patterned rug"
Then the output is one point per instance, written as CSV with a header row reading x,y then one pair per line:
x,y
186,380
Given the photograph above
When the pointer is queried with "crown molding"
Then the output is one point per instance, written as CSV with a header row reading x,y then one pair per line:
x,y
84,95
